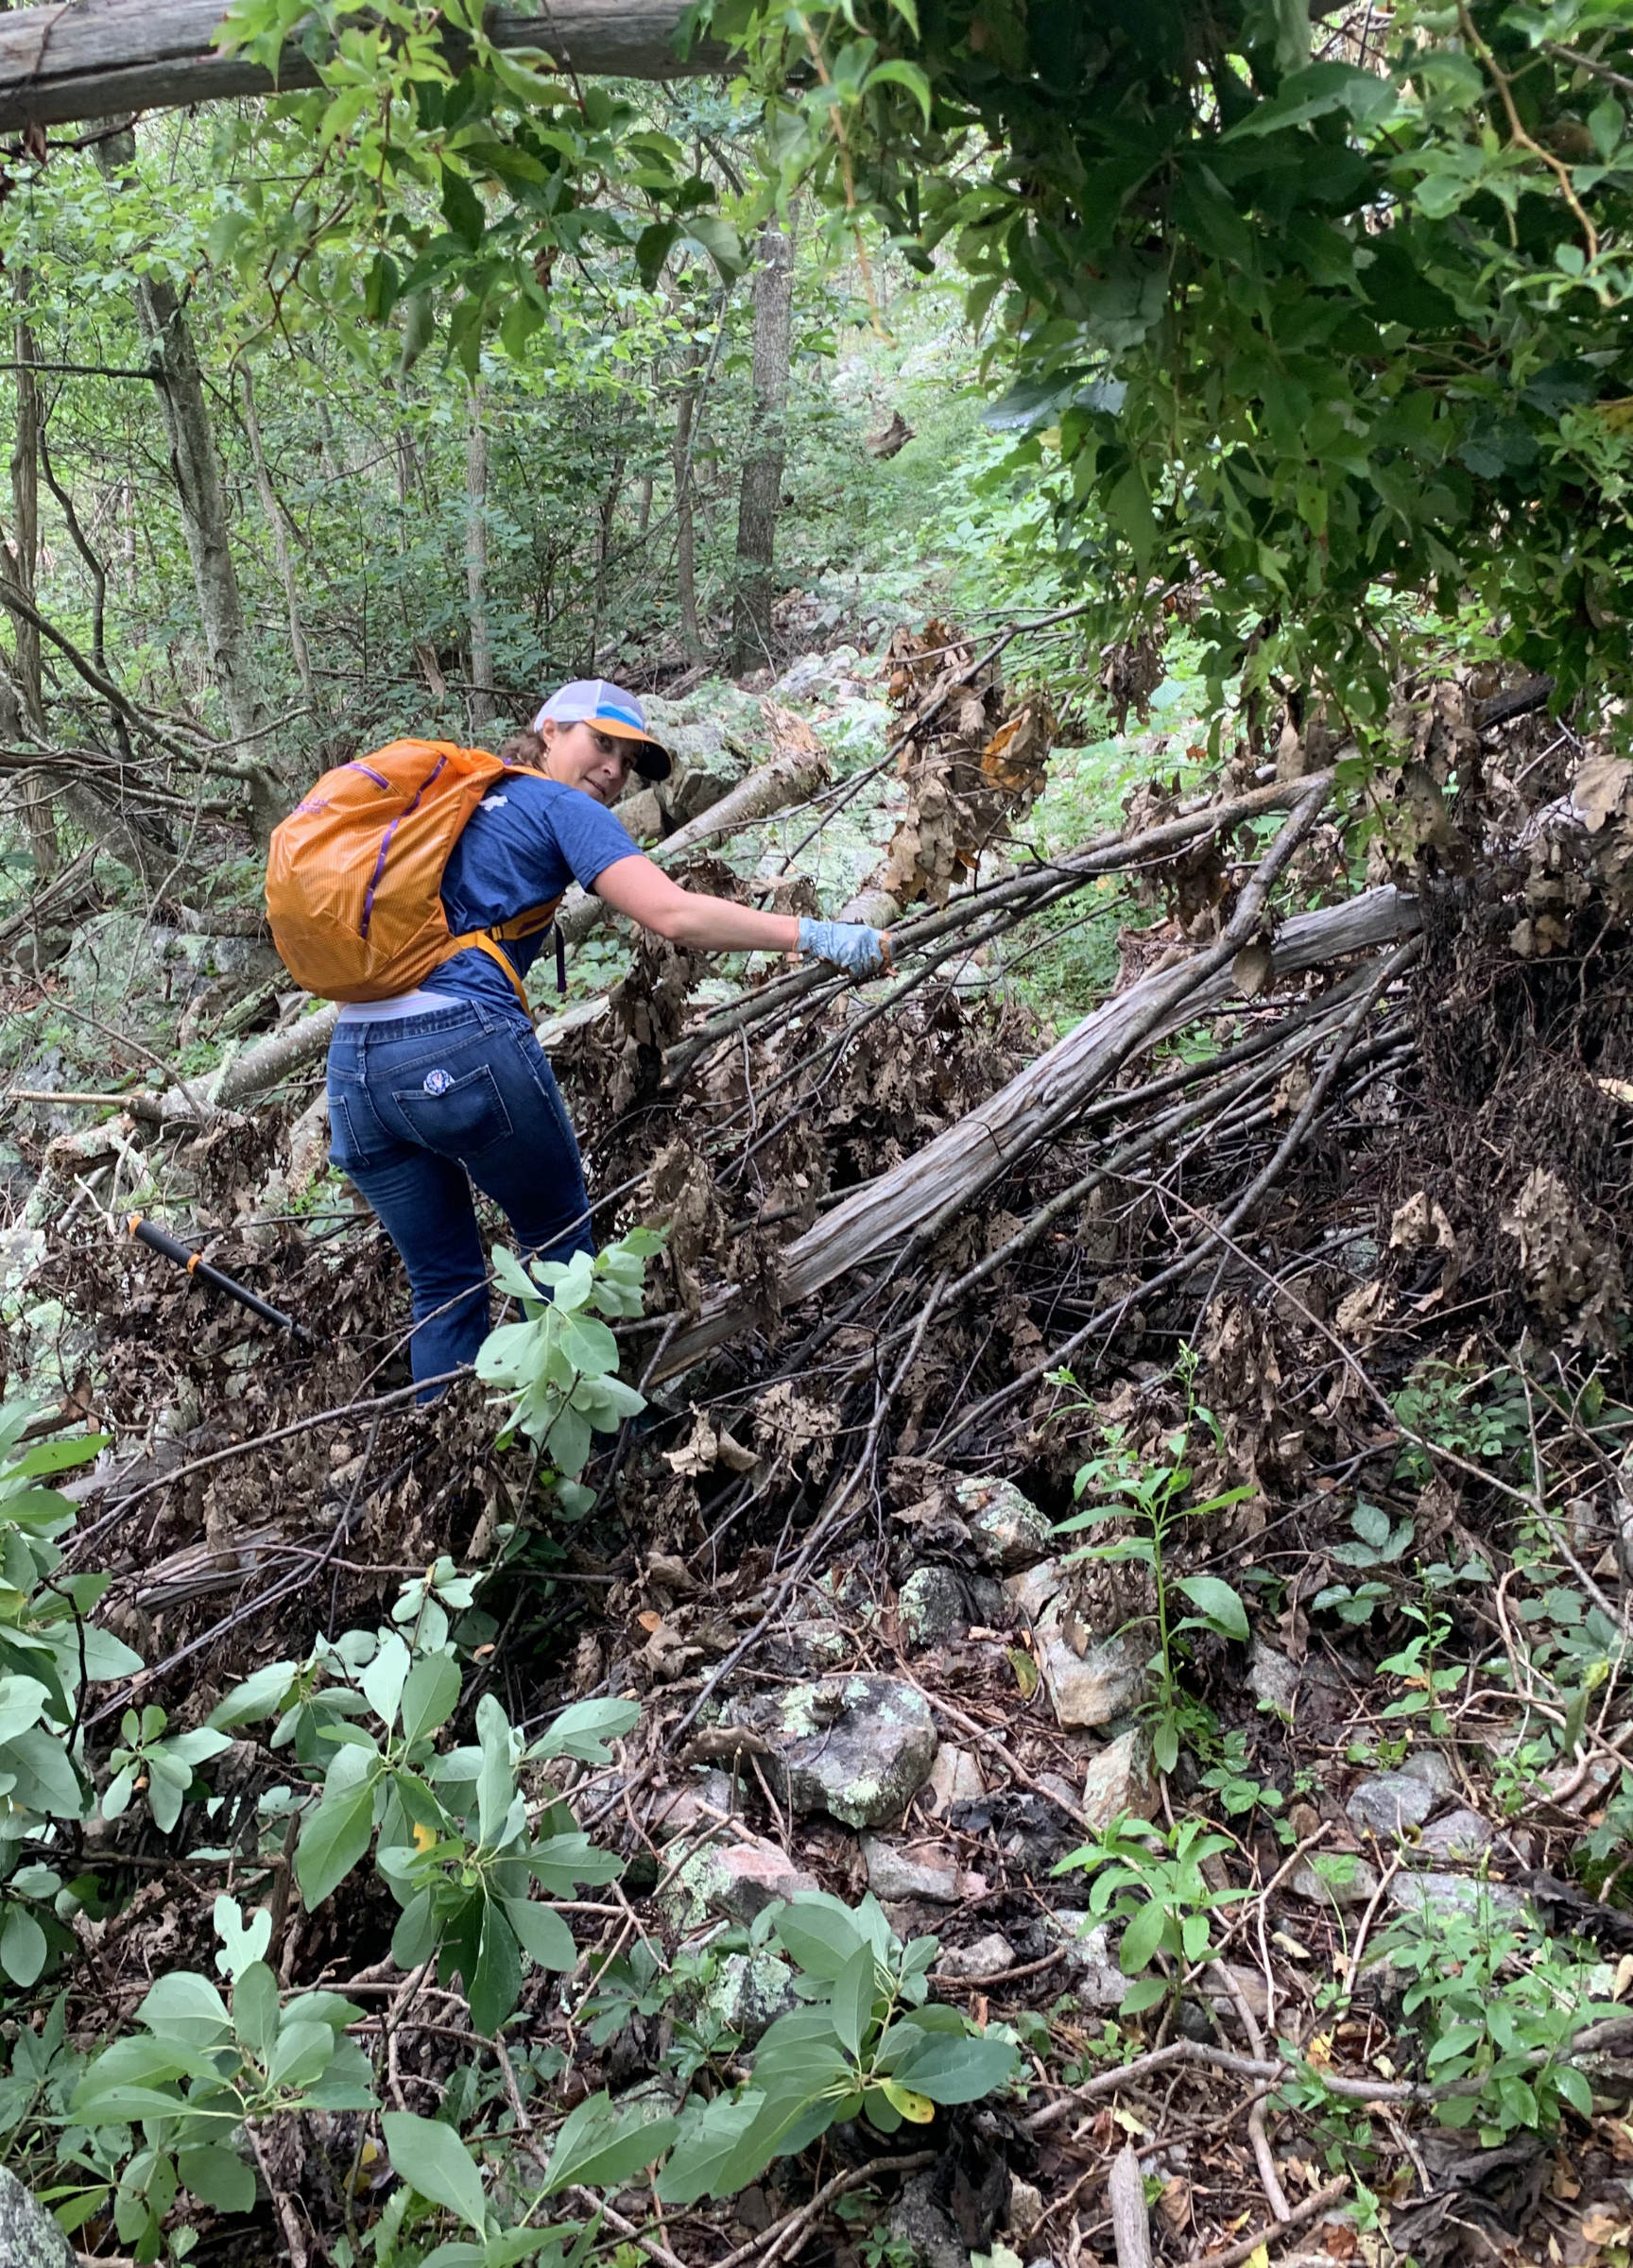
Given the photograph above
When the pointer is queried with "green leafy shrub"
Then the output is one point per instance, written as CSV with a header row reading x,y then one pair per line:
x,y
865,2045
559,1365
1153,1884
1151,1498
452,1834
1497,2005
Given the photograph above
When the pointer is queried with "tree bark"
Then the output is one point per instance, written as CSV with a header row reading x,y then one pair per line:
x,y
280,534
198,475
104,57
767,448
21,567
481,702
685,525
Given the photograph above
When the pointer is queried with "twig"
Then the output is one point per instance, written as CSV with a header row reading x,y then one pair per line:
x,y
1312,2209
772,2239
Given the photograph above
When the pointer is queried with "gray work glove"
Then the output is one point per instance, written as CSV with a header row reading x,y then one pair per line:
x,y
850,945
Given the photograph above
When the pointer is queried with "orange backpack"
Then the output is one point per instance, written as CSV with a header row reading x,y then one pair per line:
x,y
354,873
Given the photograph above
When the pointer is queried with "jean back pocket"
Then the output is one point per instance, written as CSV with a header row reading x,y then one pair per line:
x,y
457,1117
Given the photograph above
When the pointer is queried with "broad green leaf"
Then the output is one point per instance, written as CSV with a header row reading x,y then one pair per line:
x,y
1140,1938
23,1946
1217,1603
819,1933
255,2009
338,1834
218,2177
853,1999
543,1935
496,1985
241,1943
601,2146
429,1695
261,1695
185,2007
430,2157
496,1782
957,2070
712,2137
583,1730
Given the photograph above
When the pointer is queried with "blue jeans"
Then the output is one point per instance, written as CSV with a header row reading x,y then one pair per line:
x,y
419,1103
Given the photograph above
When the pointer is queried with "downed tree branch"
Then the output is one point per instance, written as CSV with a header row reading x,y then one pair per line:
x,y
1130,2222
107,56
939,1179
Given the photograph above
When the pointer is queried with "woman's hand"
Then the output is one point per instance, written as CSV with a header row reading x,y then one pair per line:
x,y
850,945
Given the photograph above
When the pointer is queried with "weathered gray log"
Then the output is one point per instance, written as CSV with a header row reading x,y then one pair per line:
x,y
1130,2222
878,1216
104,57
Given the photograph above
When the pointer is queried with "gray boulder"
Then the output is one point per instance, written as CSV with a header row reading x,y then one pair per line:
x,y
1390,1802
1461,1834
1425,1895
1105,1681
1334,1878
736,1880
29,2236
858,1748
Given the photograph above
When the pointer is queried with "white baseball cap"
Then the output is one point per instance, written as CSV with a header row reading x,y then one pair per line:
x,y
597,701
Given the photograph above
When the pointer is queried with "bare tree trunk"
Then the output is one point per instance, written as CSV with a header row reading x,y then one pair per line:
x,y
767,447
20,569
603,554
643,504
476,562
271,508
685,525
197,474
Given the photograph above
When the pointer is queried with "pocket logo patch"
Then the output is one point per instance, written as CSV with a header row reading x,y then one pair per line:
x,y
438,1082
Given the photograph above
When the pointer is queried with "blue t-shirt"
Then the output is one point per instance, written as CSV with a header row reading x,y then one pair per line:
x,y
524,843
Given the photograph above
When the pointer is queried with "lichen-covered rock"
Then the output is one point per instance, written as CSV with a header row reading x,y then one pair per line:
x,y
1008,1529
1273,1679
748,1992
1427,1894
736,1880
29,2236
1031,1591
859,1748
989,1956
933,1607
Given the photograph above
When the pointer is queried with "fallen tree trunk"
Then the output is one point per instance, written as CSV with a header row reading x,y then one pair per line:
x,y
965,1159
108,57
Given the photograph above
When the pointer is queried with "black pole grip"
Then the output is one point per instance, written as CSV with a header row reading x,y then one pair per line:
x,y
160,1240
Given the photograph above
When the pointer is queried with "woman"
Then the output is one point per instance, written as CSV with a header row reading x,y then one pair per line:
x,y
448,1085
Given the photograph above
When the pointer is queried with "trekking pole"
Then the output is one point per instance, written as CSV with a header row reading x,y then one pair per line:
x,y
159,1240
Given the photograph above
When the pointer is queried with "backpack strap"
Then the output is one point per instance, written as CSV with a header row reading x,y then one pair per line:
x,y
487,941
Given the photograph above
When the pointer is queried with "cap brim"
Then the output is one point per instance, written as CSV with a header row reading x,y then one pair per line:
x,y
651,760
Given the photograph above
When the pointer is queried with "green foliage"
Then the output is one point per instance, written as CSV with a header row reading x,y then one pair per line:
x,y
198,2068
1151,1498
1497,2006
866,2044
1483,1417
559,1364
1427,1680
1336,344
165,1767
1231,1780
451,1830
1153,1884
1379,1543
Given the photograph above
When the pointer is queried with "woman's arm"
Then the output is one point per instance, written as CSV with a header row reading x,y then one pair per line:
x,y
637,887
